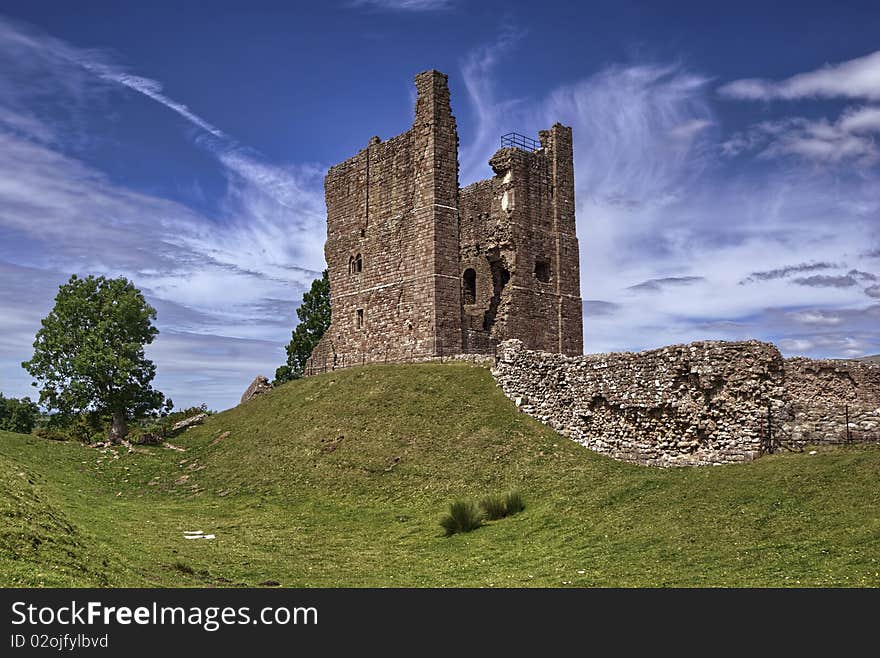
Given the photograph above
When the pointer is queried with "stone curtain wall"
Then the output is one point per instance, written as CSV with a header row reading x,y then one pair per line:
x,y
820,394
696,404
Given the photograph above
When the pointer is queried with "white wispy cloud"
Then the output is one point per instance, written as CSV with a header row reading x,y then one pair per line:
x,y
58,216
27,125
851,138
405,5
478,73
856,78
676,247
150,89
276,182
232,279
861,120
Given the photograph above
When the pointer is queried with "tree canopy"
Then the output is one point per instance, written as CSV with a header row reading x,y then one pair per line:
x,y
314,319
89,353
18,415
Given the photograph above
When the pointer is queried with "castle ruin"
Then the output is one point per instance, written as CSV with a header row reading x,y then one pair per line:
x,y
420,268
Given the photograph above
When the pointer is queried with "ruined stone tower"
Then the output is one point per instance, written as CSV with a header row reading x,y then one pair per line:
x,y
419,268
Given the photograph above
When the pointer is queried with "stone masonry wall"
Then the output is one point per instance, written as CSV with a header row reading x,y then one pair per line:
x,y
696,404
823,392
518,245
392,242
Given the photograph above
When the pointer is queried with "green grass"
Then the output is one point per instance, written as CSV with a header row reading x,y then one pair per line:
x,y
340,479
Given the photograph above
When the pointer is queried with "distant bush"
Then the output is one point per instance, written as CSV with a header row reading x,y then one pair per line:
x,y
463,516
91,427
493,507
144,436
88,427
513,503
51,434
18,415
161,426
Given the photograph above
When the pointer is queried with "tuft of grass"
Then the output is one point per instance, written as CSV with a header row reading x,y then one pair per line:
x,y
513,503
497,507
183,567
463,516
494,507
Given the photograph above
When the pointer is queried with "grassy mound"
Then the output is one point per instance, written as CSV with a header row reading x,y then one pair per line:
x,y
341,479
39,546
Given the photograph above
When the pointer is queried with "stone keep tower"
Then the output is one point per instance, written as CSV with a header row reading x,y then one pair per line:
x,y
419,268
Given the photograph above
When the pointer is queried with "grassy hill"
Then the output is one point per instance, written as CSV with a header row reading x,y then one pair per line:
x,y
340,480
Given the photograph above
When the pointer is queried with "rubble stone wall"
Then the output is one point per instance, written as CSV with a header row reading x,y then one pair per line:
x,y
824,394
710,402
696,404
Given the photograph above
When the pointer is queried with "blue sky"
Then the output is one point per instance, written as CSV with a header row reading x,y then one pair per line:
x,y
727,160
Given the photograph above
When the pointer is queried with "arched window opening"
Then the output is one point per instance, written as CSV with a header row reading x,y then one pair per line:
x,y
469,286
358,264
351,264
542,270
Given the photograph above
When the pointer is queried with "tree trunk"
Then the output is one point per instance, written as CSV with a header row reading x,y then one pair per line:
x,y
119,427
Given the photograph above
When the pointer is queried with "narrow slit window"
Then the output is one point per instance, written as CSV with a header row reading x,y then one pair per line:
x,y
359,318
358,264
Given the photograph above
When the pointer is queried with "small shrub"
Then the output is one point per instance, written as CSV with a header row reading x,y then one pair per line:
x,y
463,516
494,507
161,426
513,503
84,427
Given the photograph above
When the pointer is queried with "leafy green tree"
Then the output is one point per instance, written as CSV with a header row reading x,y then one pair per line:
x,y
89,353
18,415
314,319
